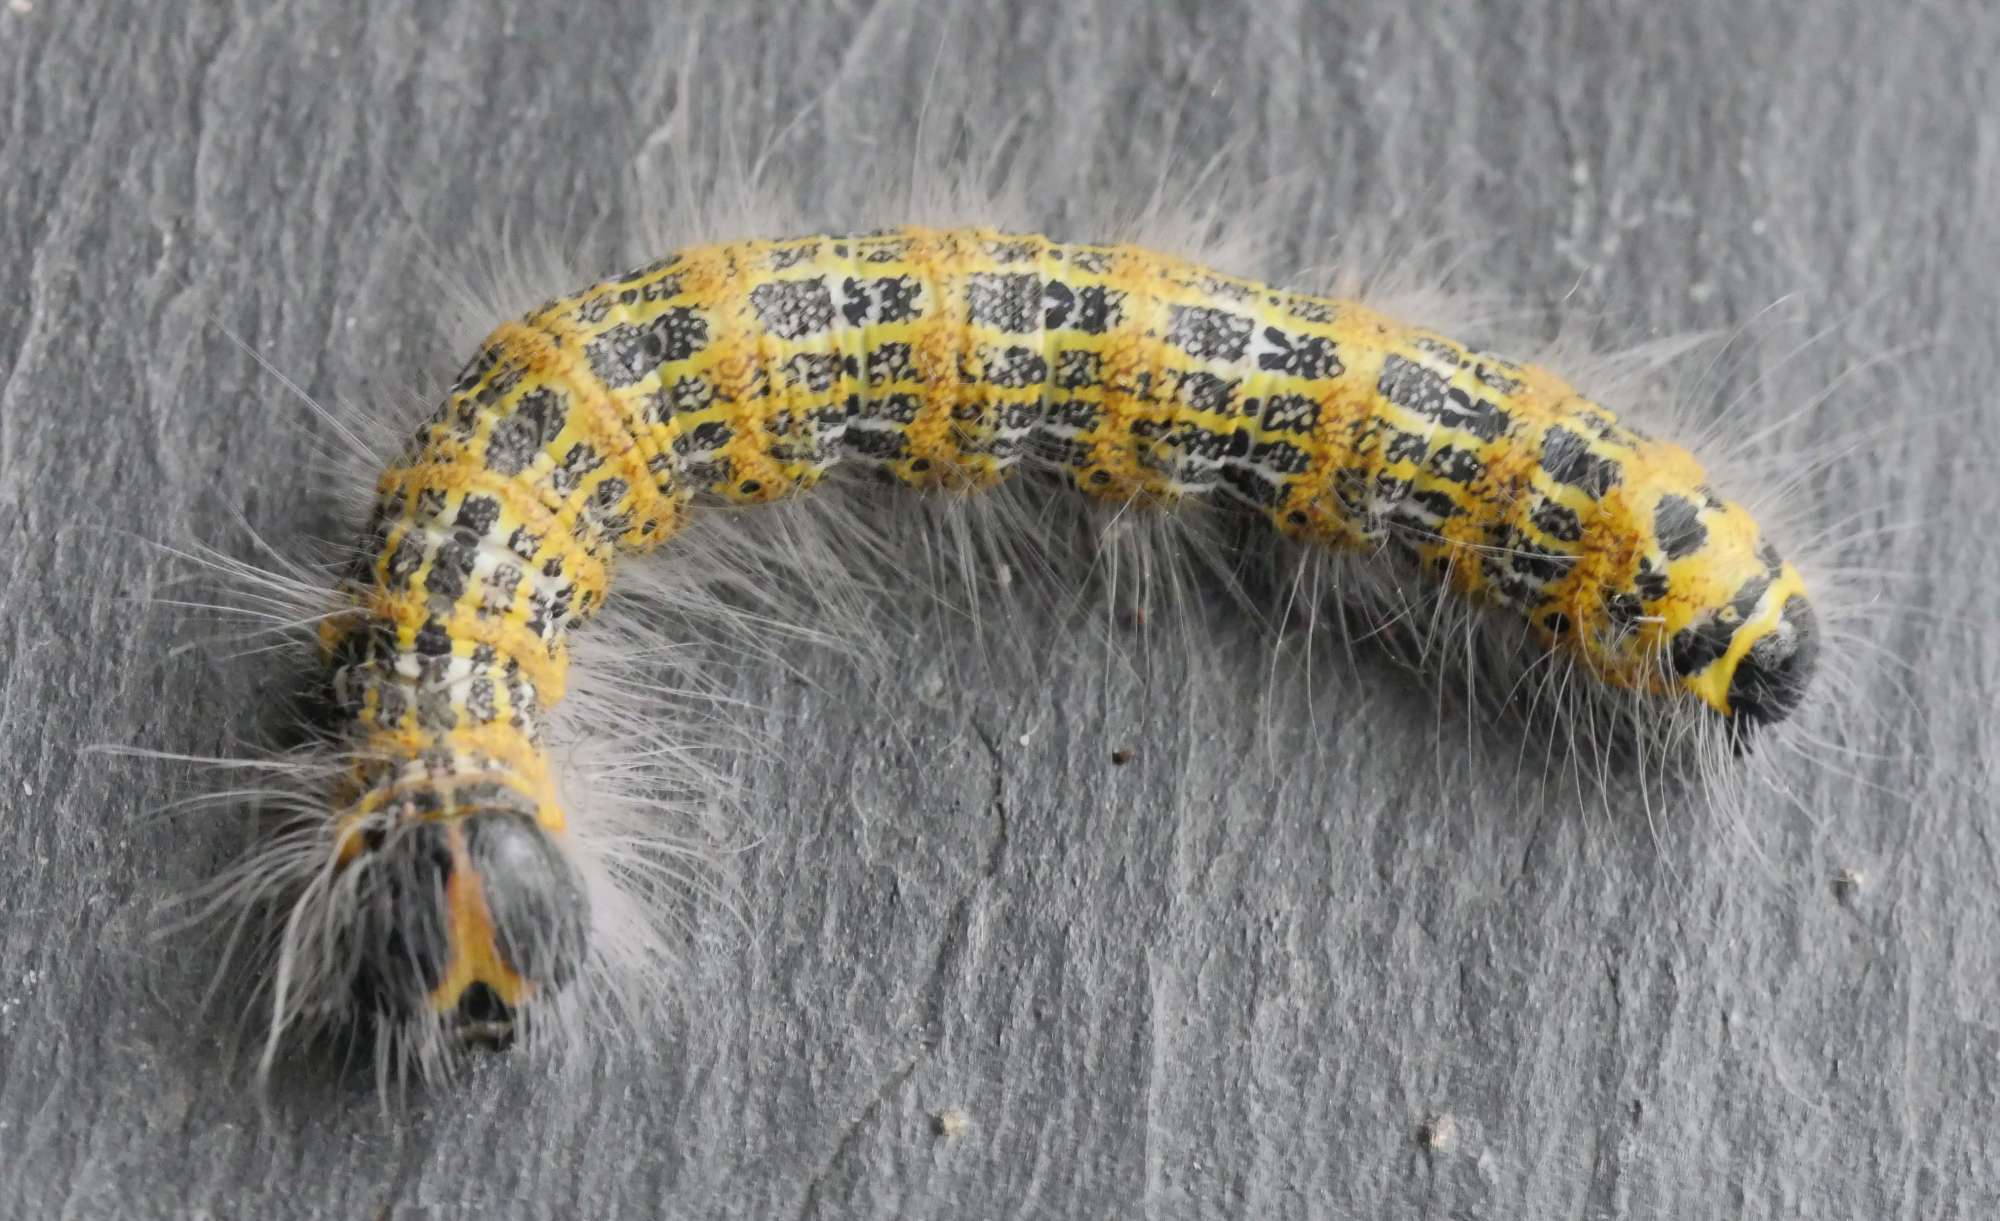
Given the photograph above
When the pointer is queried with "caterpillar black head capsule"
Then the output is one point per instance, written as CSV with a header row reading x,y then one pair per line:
x,y
1772,675
470,921
1752,657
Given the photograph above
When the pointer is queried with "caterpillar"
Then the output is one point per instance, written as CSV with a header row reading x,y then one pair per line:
x,y
745,372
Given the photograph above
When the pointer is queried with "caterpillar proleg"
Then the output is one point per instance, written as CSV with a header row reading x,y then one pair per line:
x,y
945,359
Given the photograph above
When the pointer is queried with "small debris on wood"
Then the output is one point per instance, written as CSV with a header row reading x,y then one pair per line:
x,y
951,1123
1439,1132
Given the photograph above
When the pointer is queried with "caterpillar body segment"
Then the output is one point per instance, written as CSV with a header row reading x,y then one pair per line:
x,y
951,358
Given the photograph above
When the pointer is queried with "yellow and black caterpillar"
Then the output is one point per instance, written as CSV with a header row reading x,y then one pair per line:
x,y
950,358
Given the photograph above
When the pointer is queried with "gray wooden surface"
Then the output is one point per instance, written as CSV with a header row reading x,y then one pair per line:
x,y
1194,985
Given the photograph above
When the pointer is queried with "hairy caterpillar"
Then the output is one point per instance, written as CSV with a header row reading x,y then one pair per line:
x,y
949,359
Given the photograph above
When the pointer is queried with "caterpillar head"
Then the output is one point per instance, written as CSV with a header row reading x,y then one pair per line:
x,y
1771,676
466,922
1751,651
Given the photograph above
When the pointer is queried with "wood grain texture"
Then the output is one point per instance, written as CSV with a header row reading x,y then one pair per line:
x,y
1169,988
